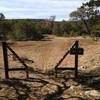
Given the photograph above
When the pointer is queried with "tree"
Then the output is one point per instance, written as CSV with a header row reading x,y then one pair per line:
x,y
95,3
2,17
48,25
81,14
94,13
88,13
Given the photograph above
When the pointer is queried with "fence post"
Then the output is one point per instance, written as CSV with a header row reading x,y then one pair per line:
x,y
76,60
5,56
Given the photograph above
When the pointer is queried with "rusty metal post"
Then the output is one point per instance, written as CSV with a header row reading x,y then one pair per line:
x,y
56,72
76,59
5,56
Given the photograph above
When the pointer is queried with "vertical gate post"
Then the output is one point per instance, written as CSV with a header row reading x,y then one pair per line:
x,y
56,72
76,59
5,57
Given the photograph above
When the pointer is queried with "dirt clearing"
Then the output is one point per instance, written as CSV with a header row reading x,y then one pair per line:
x,y
42,84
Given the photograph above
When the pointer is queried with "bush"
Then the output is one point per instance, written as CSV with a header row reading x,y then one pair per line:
x,y
23,30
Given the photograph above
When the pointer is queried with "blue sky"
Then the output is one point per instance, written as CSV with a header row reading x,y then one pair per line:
x,y
39,9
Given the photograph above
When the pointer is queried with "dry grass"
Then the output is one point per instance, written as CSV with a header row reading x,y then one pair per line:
x,y
45,55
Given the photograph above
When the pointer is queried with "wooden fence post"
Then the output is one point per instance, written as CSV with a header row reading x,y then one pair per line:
x,y
5,56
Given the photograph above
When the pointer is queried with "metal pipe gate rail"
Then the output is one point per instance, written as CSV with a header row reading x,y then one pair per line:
x,y
74,50
6,47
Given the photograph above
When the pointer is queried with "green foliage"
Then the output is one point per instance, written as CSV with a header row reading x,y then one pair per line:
x,y
2,17
57,29
89,14
96,31
69,28
20,30
30,29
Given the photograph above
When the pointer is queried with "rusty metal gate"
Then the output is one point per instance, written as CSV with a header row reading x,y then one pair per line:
x,y
74,50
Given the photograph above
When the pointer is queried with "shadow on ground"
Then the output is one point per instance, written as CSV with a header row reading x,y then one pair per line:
x,y
47,87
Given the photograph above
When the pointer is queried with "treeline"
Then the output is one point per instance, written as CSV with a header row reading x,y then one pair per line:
x,y
83,21
35,29
69,28
20,30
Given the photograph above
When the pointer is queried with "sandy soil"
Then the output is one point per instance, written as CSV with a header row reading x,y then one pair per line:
x,y
42,84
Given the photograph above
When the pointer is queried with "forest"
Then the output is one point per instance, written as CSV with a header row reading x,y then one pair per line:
x,y
85,21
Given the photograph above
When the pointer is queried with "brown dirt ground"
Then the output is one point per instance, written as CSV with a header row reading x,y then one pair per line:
x,y
42,84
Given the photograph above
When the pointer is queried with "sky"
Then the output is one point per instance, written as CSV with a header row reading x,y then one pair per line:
x,y
39,9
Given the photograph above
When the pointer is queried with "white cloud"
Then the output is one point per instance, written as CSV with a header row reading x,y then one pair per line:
x,y
38,8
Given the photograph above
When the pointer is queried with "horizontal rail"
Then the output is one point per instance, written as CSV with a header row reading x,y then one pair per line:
x,y
65,68
17,69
